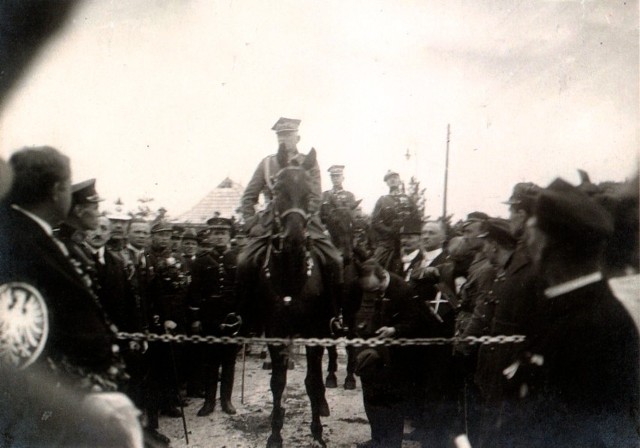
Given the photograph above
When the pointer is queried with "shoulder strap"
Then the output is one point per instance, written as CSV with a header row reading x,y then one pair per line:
x,y
267,172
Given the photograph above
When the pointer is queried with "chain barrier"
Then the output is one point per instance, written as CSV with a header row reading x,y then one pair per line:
x,y
323,342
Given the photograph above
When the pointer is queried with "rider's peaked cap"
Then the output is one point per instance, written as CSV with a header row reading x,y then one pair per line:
x,y
336,169
286,125
85,192
389,174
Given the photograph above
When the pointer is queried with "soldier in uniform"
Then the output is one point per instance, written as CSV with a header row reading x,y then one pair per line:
x,y
53,327
505,309
258,225
480,274
167,306
212,303
388,216
119,224
188,247
338,196
83,216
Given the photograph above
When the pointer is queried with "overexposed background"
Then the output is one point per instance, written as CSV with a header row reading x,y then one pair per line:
x,y
164,99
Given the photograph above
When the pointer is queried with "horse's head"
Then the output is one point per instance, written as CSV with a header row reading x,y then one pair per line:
x,y
340,224
291,200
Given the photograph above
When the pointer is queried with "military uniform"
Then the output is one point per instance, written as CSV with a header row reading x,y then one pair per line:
x,y
166,303
211,298
389,214
259,235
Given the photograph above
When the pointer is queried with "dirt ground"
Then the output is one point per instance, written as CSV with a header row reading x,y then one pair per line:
x,y
250,427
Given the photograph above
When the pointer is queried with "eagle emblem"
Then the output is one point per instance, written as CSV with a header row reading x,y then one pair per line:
x,y
24,324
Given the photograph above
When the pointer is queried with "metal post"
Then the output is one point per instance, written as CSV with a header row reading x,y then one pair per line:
x,y
446,175
244,364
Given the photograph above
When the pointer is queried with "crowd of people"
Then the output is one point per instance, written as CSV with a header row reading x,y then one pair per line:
x,y
72,277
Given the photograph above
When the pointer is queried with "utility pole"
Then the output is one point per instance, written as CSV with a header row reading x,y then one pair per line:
x,y
446,175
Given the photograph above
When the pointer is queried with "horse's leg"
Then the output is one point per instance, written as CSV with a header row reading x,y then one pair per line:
x,y
331,381
279,359
315,390
350,380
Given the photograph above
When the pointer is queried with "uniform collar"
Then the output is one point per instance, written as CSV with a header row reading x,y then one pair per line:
x,y
572,285
41,222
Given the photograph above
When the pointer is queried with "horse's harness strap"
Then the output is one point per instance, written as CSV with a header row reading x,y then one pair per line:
x,y
297,210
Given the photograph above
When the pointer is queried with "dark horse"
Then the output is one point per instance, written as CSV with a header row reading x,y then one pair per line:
x,y
340,224
296,301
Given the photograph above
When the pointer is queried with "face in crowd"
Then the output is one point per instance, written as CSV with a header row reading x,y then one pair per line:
x,y
517,219
409,243
337,179
470,234
536,241
88,215
433,236
118,227
393,182
219,237
189,247
99,236
161,240
139,233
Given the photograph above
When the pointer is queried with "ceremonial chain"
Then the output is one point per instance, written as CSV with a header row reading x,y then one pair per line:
x,y
323,342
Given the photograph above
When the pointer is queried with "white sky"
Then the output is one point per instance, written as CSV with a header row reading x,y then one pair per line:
x,y
164,98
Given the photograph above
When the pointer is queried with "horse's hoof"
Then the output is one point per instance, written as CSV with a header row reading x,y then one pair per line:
x,y
318,443
263,354
274,442
349,383
331,381
291,365
323,409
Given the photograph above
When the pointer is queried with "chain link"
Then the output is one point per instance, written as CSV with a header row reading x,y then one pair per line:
x,y
323,342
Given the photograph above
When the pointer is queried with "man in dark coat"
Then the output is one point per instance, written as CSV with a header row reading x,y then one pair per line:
x,y
54,329
122,303
436,397
211,300
480,273
83,216
379,304
587,349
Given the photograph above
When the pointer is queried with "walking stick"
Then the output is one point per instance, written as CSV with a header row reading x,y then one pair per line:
x,y
244,363
175,377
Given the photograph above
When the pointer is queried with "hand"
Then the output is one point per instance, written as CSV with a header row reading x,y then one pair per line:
x,y
170,325
196,327
231,324
337,327
510,371
428,273
385,332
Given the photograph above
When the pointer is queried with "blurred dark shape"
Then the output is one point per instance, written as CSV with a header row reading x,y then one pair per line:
x,y
25,25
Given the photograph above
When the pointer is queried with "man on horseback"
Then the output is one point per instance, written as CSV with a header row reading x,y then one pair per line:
x,y
259,225
338,196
